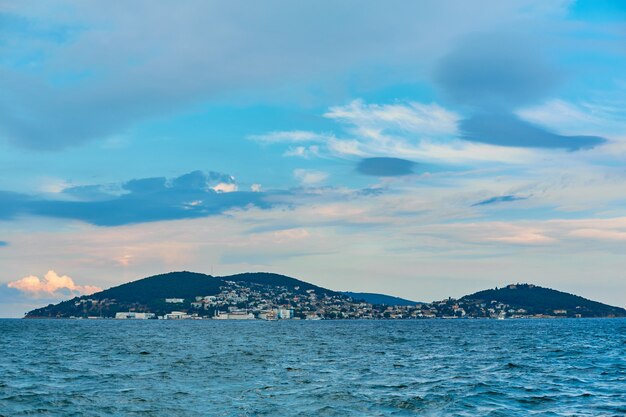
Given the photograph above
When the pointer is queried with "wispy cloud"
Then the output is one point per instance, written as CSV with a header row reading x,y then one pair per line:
x,y
426,120
310,177
291,136
498,199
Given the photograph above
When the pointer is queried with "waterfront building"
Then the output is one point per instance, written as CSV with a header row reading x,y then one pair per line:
x,y
131,315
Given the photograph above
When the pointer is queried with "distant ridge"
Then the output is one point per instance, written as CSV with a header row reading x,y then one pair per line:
x,y
382,299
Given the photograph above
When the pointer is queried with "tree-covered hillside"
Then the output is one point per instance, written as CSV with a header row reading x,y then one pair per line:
x,y
149,294
381,299
539,300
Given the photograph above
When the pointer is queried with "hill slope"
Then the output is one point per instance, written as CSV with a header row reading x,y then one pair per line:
x,y
539,300
382,299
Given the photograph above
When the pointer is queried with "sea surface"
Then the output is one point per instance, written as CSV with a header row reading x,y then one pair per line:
x,y
324,368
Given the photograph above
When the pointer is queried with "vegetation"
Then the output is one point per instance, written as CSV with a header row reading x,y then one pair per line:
x,y
380,299
149,294
244,291
539,300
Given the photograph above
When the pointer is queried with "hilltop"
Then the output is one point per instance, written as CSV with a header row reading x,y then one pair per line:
x,y
537,300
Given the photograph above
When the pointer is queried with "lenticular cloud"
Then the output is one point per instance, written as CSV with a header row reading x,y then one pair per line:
x,y
52,284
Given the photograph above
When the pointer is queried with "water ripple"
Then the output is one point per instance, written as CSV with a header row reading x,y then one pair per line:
x,y
327,368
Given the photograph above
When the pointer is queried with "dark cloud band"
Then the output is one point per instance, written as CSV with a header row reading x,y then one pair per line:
x,y
385,167
142,200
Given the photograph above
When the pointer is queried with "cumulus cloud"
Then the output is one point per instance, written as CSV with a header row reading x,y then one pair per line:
x,y
51,285
223,187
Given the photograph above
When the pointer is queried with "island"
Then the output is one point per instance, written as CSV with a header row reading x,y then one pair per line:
x,y
269,296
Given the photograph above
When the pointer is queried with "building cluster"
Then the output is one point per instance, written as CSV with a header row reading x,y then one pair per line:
x,y
249,301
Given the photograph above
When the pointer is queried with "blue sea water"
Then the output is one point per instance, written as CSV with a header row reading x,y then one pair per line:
x,y
324,368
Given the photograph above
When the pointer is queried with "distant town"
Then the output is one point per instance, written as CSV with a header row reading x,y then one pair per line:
x,y
238,301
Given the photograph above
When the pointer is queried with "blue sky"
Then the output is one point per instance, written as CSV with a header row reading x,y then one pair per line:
x,y
421,149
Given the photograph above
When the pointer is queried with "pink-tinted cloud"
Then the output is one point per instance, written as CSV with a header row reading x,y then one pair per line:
x,y
52,284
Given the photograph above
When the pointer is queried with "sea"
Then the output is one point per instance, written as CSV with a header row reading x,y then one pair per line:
x,y
559,367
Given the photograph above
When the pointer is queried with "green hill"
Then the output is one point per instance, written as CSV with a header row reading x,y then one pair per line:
x,y
381,299
539,300
149,294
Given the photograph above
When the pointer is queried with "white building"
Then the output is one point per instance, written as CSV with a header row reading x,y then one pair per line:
x,y
234,315
177,315
284,313
267,315
131,315
175,300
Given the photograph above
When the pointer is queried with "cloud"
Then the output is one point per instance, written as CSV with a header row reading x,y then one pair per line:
x,y
591,117
82,71
427,120
529,237
498,199
385,167
509,130
600,234
303,151
309,176
494,75
223,187
425,133
51,285
196,194
291,136
496,71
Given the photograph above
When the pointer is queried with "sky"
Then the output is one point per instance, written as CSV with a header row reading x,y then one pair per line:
x,y
420,149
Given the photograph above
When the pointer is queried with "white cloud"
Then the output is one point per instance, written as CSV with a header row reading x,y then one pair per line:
x,y
525,237
293,136
51,285
303,151
410,130
309,176
425,120
224,187
600,234
582,118
255,188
